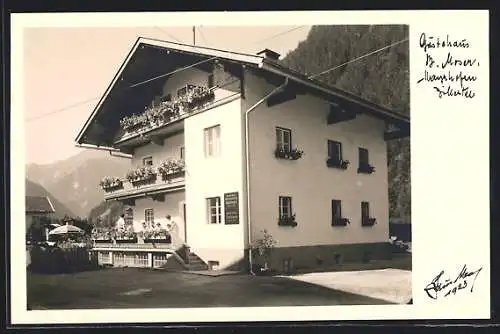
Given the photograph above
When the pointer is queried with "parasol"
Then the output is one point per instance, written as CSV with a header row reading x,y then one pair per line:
x,y
66,229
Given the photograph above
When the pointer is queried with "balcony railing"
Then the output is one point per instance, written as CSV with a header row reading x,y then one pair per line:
x,y
166,175
195,98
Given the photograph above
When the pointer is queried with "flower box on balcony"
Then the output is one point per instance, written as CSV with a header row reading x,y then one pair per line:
x,y
111,183
337,163
368,221
171,169
366,169
293,154
287,221
139,181
340,222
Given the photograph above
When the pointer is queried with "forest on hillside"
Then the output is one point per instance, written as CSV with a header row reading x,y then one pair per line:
x,y
382,78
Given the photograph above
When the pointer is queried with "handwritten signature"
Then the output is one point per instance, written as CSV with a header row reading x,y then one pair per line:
x,y
439,287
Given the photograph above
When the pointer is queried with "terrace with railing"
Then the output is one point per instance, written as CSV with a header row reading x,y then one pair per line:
x,y
168,174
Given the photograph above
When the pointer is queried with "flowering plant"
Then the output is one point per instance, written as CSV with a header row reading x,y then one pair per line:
x,y
170,167
108,182
366,168
167,111
293,154
101,234
337,163
144,173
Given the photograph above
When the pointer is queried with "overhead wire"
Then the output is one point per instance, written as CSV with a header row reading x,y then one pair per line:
x,y
151,79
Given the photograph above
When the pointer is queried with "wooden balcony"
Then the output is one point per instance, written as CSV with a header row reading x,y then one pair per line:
x,y
153,187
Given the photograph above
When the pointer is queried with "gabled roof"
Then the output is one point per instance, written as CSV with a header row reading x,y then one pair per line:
x,y
39,204
133,65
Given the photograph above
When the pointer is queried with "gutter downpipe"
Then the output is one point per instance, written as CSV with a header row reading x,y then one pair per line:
x,y
247,161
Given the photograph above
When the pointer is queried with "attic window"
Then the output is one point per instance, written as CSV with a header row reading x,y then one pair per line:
x,y
182,91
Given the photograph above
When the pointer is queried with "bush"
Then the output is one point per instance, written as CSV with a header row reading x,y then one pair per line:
x,y
54,260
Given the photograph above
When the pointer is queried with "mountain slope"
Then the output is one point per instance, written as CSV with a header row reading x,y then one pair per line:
x,y
75,181
34,189
382,78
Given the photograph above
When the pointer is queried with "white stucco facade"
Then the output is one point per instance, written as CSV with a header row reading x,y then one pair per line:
x,y
310,183
213,177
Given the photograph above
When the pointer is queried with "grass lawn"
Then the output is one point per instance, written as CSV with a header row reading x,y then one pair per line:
x,y
107,288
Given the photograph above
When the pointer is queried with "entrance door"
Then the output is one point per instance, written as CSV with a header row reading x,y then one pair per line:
x,y
185,221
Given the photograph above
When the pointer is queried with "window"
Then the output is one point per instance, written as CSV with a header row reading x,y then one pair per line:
x,y
334,150
336,209
363,156
211,80
214,210
149,216
212,141
365,210
147,161
182,91
284,139
129,217
285,206
183,153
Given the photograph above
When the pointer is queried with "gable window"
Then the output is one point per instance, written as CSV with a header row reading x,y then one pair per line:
x,y
147,161
214,210
183,153
149,217
283,139
167,98
212,141
285,206
182,91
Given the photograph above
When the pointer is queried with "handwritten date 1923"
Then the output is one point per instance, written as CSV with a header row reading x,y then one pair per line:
x,y
445,287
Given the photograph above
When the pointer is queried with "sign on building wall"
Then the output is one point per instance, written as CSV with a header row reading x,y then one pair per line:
x,y
231,208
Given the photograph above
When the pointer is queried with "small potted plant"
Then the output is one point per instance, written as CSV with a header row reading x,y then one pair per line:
x,y
337,163
287,221
264,246
366,169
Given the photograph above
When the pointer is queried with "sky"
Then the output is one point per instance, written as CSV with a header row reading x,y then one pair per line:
x,y
66,67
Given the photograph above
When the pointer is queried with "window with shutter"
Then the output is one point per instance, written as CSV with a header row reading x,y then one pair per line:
x,y
365,210
335,150
363,157
336,209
